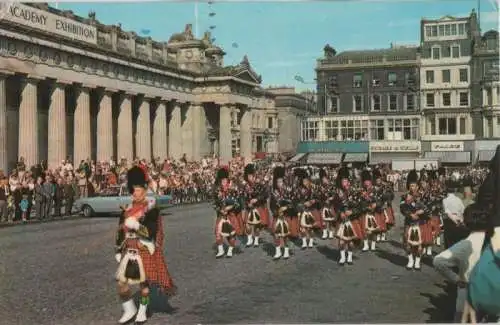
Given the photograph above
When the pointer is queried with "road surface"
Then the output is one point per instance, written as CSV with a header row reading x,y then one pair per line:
x,y
62,273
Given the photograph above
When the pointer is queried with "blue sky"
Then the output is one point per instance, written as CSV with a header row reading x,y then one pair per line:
x,y
283,39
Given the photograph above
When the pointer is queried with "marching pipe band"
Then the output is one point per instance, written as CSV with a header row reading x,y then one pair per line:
x,y
305,208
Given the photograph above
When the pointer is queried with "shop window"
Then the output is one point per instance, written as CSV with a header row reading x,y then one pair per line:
x,y
331,130
377,131
403,129
354,130
310,130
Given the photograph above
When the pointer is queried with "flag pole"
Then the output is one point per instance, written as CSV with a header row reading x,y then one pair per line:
x,y
196,19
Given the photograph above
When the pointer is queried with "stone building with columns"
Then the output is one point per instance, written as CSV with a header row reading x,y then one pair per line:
x,y
72,86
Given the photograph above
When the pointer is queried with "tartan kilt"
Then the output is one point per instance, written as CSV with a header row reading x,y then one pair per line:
x,y
390,219
318,219
236,221
435,223
264,217
364,225
426,237
381,221
357,229
294,225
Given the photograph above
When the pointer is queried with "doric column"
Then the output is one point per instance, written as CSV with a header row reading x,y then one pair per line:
x,y
143,133
105,127
246,134
198,130
175,132
187,132
125,129
160,148
3,123
82,134
225,135
28,122
57,125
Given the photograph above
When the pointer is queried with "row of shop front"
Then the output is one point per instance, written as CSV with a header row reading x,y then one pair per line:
x,y
400,154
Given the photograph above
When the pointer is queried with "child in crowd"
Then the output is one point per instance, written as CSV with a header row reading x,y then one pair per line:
x,y
24,206
464,255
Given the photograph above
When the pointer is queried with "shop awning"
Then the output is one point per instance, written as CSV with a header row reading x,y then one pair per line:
x,y
485,155
329,158
356,157
297,157
456,157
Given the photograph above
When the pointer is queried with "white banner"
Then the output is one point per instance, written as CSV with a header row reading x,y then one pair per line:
x,y
47,22
447,146
395,146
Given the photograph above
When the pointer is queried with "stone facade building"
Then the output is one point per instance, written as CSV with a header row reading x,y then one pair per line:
x,y
446,48
367,95
72,86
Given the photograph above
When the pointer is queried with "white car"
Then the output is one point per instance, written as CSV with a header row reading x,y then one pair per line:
x,y
112,199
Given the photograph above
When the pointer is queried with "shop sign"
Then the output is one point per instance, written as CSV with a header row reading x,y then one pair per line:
x,y
48,22
395,146
447,146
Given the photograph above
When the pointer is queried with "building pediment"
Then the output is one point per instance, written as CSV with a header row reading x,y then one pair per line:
x,y
247,75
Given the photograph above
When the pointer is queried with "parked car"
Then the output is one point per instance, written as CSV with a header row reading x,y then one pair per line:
x,y
111,200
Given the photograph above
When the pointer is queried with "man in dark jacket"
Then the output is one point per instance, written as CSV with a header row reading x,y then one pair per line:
x,y
69,195
58,197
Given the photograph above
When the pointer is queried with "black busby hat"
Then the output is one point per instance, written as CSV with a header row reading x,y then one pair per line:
x,y
322,173
442,171
221,174
343,173
249,170
366,176
300,173
488,194
283,205
432,175
136,177
412,178
278,172
377,174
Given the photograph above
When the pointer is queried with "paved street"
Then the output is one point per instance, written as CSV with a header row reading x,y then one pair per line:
x,y
62,273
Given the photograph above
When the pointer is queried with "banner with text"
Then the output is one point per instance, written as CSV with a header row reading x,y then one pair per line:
x,y
48,22
395,146
447,146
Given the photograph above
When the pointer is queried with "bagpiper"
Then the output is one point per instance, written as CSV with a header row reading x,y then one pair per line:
x,y
328,214
256,213
386,195
309,214
347,204
416,231
281,230
283,192
225,227
139,249
371,209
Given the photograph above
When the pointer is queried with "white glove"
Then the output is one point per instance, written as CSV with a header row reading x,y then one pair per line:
x,y
118,257
131,223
